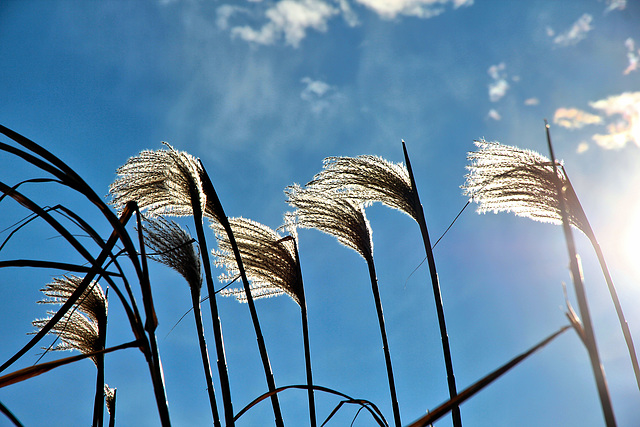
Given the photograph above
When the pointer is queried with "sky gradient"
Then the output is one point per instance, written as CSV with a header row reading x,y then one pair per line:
x,y
262,92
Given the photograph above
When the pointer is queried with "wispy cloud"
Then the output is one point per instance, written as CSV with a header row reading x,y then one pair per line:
x,y
575,34
499,86
626,129
632,55
318,94
493,114
286,18
583,146
573,118
622,120
615,5
531,101
390,9
291,19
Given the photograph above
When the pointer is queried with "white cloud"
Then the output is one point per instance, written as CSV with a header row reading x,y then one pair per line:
x,y
224,13
623,128
582,147
290,19
573,118
627,128
389,9
319,94
348,14
493,114
531,101
634,59
615,5
499,87
576,33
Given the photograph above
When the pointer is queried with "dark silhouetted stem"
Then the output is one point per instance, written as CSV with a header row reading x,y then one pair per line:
x,y
215,318
385,343
98,404
112,414
151,323
305,337
446,350
204,354
576,273
212,196
612,290
468,392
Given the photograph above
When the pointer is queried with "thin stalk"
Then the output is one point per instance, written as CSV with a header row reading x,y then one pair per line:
x,y
385,344
98,404
616,302
197,314
474,388
369,406
71,179
576,273
446,350
224,221
305,337
9,414
215,317
41,368
612,291
151,323
112,414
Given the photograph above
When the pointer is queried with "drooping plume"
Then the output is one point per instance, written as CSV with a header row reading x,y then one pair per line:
x,y
174,247
503,178
269,261
165,182
369,179
333,213
78,329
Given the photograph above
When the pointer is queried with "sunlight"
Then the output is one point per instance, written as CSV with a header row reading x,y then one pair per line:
x,y
630,240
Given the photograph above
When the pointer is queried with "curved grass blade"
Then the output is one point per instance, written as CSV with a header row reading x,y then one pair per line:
x,y
576,273
41,368
468,392
369,406
9,414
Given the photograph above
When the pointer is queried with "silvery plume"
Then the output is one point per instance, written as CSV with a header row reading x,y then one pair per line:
x,y
333,213
165,182
369,179
269,260
79,328
503,178
173,246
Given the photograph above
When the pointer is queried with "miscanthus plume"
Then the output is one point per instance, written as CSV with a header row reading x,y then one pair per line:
x,y
165,182
174,247
503,178
333,213
79,328
369,179
269,261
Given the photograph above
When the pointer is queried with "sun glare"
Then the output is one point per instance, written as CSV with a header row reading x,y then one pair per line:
x,y
629,240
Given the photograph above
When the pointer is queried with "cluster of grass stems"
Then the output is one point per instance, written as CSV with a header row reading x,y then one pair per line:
x,y
264,262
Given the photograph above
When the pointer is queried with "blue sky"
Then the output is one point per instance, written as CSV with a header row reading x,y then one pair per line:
x,y
262,92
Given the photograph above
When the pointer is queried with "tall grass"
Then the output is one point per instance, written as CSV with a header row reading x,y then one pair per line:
x,y
174,183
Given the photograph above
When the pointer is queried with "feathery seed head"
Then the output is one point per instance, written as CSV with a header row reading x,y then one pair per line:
x,y
163,181
92,302
79,328
270,262
174,247
505,178
110,398
332,212
369,179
